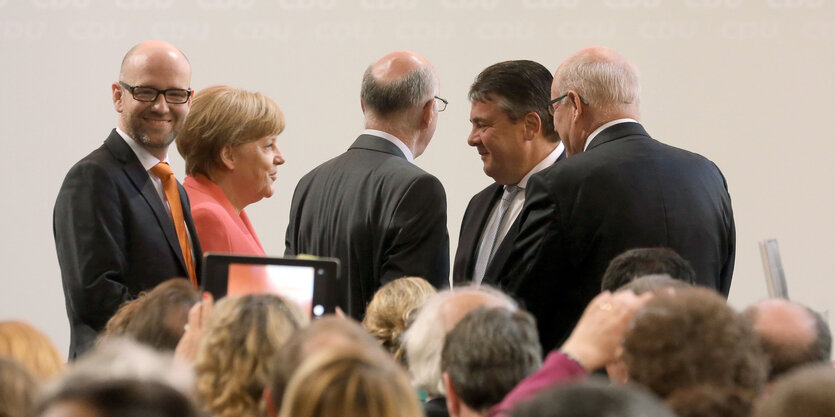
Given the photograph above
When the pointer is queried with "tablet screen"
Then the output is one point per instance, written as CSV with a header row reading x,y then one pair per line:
x,y
293,282
312,283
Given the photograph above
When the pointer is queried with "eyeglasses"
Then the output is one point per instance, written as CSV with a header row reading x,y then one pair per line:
x,y
441,107
150,94
551,103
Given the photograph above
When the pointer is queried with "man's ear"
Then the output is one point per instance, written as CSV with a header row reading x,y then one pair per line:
x,y
533,125
427,114
227,157
117,96
453,403
577,103
362,105
267,396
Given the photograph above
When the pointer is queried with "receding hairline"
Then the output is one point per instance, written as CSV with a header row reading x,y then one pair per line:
x,y
150,47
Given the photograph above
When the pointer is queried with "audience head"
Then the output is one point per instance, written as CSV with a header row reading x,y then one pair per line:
x,y
152,119
155,318
485,355
653,283
805,391
511,126
398,96
393,308
593,398
118,398
18,389
239,347
326,332
28,346
424,339
123,358
594,86
791,334
230,137
636,263
349,382
692,349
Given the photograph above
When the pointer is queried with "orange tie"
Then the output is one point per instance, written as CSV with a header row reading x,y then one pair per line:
x,y
169,184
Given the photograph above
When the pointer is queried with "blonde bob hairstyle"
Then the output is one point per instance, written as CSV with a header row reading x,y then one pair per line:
x,y
28,346
222,116
393,308
239,348
349,383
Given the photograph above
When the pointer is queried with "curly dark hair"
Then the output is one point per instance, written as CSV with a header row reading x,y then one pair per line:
x,y
682,343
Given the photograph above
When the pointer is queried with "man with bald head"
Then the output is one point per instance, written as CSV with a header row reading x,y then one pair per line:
x,y
122,222
617,189
792,335
371,207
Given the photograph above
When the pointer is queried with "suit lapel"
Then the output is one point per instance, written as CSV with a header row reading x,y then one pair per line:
x,y
504,249
139,177
471,231
197,251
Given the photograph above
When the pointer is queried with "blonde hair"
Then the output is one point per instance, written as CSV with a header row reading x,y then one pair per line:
x,y
239,348
30,347
393,308
18,389
224,116
349,383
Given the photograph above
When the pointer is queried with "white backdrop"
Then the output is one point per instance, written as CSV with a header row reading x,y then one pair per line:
x,y
746,83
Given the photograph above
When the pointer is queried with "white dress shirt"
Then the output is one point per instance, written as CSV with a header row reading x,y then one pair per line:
x,y
149,161
601,128
512,212
393,139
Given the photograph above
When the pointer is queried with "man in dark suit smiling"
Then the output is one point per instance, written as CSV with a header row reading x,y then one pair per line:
x,y
616,190
514,135
122,222
371,207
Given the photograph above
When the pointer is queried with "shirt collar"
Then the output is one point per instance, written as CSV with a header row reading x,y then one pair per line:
x,y
147,160
393,139
600,129
545,163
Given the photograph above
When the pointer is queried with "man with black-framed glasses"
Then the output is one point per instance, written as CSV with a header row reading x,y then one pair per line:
x,y
122,222
617,189
382,216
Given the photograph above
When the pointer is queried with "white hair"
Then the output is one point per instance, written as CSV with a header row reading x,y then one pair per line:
x,y
424,339
603,82
117,358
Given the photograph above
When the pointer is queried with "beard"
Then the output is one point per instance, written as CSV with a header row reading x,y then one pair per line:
x,y
140,134
147,142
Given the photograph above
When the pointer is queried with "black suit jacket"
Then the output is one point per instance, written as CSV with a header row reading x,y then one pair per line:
x,y
626,190
379,214
472,226
114,238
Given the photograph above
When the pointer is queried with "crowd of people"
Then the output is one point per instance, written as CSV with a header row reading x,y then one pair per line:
x,y
590,279
654,346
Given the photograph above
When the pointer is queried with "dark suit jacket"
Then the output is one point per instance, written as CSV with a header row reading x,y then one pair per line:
x,y
114,238
626,190
379,214
472,226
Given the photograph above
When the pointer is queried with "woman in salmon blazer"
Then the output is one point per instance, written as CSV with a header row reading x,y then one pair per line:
x,y
229,146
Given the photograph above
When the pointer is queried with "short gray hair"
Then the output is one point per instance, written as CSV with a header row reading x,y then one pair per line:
x,y
488,352
424,339
387,98
602,82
